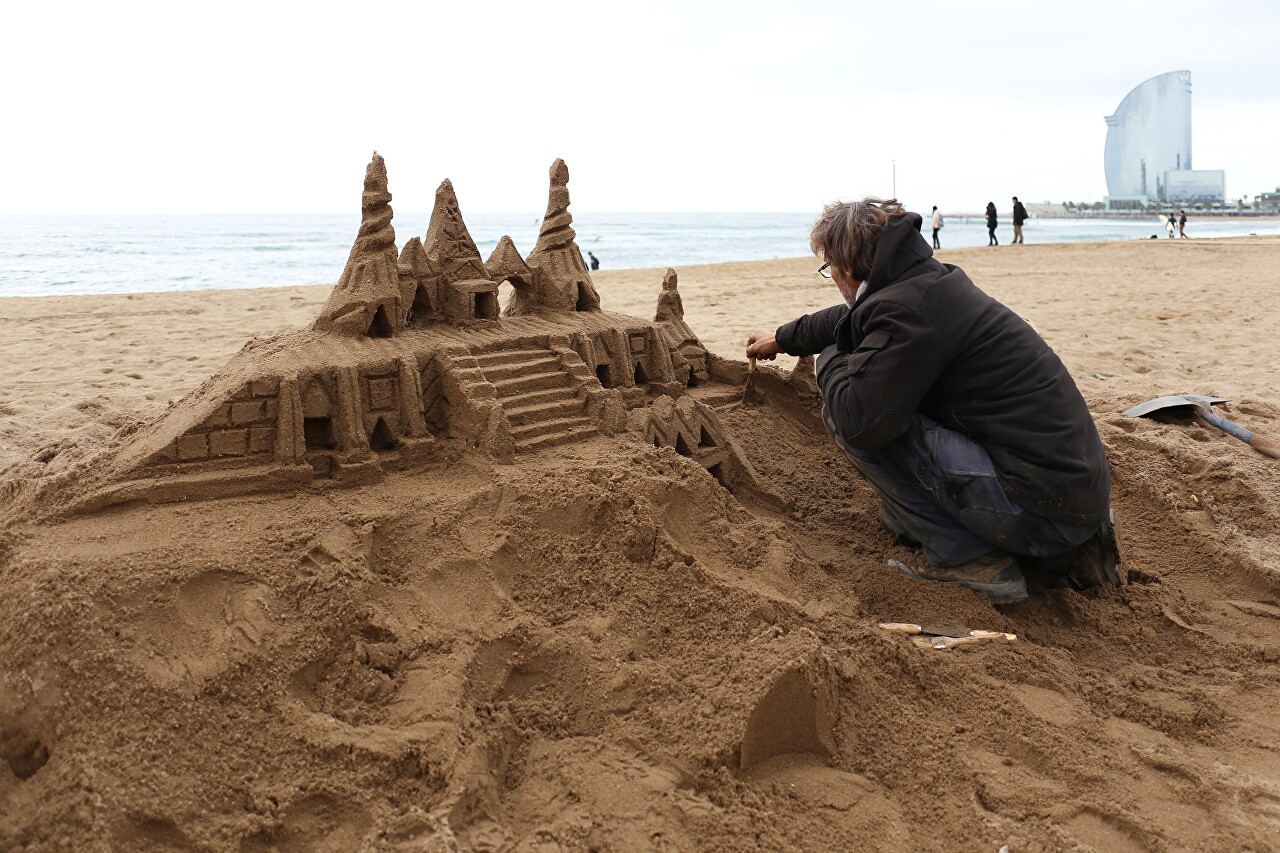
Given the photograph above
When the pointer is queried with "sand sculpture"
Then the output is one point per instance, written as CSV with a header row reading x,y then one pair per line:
x,y
410,364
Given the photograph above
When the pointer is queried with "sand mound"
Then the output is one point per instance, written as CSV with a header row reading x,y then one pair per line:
x,y
605,650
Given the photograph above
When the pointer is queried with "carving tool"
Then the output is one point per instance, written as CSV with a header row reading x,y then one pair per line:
x,y
927,630
750,393
943,638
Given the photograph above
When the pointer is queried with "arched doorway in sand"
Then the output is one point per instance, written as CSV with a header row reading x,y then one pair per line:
x,y
515,295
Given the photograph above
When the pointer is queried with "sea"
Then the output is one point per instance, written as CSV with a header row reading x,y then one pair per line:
x,y
51,255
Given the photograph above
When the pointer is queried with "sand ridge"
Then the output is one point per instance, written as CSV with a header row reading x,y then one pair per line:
x,y
600,648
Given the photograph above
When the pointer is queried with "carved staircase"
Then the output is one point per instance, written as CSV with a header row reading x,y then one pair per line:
x,y
539,397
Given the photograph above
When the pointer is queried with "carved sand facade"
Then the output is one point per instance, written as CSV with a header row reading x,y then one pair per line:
x,y
409,364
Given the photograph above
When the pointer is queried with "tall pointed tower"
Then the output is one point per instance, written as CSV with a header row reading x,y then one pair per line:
x,y
467,292
561,278
449,243
366,300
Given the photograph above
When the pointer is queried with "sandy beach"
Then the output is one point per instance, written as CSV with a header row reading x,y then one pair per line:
x,y
579,650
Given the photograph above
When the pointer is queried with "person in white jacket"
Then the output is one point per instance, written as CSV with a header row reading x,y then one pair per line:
x,y
936,225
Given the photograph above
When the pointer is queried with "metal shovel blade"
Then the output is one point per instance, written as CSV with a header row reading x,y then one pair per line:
x,y
1176,401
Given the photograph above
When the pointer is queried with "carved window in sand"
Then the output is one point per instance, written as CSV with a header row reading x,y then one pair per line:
x,y
380,439
485,306
380,325
317,417
585,302
419,313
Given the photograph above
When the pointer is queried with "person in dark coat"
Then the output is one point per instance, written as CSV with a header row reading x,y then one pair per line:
x,y
595,262
1019,217
967,424
991,224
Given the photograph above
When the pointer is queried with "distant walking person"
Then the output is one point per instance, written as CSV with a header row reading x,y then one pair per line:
x,y
595,262
1019,217
1182,223
991,224
1170,225
937,226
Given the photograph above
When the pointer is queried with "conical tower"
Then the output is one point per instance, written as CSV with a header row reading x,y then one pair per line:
x,y
505,261
366,300
670,305
449,243
420,285
561,278
685,346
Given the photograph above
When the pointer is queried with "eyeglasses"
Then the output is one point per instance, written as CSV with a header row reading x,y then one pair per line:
x,y
824,272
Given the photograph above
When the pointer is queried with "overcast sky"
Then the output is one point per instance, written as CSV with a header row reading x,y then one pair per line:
x,y
275,107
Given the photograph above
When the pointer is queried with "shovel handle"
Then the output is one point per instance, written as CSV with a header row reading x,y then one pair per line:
x,y
1266,448
1208,417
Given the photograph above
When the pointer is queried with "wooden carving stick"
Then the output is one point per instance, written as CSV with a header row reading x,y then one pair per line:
x,y
972,638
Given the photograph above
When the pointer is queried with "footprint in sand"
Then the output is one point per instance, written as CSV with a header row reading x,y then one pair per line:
x,y
1103,832
318,823
201,628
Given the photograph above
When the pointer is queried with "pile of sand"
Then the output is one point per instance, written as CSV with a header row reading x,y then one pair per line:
x,y
598,648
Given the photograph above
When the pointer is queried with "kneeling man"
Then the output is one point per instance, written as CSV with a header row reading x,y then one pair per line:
x,y
958,413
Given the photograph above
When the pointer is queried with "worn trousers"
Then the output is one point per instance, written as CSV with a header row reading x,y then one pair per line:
x,y
940,488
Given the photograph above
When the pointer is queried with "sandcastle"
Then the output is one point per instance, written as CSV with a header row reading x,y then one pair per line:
x,y
410,363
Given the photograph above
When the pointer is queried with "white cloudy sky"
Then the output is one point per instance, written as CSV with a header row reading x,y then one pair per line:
x,y
694,105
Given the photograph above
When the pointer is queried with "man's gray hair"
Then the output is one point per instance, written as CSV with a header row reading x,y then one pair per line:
x,y
845,234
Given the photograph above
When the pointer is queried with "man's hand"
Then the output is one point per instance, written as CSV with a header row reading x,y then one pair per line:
x,y
762,345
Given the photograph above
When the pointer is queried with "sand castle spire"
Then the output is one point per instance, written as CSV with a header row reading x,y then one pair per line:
x,y
562,278
557,226
505,262
367,296
448,241
670,305
670,318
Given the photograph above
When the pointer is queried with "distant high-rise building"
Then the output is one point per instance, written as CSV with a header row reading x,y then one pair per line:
x,y
1148,153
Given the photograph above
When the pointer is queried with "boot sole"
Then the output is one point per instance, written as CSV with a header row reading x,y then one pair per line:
x,y
999,593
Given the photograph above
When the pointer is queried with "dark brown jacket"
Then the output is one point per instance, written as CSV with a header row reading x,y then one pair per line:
x,y
923,338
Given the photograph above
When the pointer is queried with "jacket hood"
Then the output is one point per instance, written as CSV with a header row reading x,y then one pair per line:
x,y
900,247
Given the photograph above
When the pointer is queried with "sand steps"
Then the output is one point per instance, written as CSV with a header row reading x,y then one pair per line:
x,y
547,411
516,386
519,363
539,397
542,433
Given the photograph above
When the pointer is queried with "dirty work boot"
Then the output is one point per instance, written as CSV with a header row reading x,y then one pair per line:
x,y
995,574
1096,560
